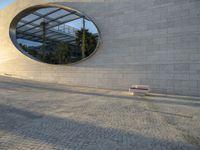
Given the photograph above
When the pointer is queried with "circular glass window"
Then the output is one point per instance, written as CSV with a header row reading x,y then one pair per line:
x,y
54,35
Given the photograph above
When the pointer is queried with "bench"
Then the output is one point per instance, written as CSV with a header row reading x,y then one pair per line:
x,y
139,89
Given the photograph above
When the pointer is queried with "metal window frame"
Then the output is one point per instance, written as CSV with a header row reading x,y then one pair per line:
x,y
23,13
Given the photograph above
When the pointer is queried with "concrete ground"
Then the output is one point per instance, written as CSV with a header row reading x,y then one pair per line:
x,y
42,116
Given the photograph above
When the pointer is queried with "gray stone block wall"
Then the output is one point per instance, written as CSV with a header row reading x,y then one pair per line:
x,y
153,42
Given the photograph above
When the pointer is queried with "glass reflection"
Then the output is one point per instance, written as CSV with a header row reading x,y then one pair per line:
x,y
57,36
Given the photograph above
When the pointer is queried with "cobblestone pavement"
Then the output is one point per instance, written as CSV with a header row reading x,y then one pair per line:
x,y
42,116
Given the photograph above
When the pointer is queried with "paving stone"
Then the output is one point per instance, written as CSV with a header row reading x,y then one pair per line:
x,y
44,116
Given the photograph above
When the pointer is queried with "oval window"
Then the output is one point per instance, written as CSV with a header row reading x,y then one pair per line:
x,y
54,35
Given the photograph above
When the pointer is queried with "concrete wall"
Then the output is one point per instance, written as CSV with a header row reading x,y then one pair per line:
x,y
154,42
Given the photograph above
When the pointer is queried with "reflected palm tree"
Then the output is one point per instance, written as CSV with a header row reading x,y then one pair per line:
x,y
62,53
86,41
43,25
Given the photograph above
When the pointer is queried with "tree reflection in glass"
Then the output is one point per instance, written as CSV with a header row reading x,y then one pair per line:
x,y
56,36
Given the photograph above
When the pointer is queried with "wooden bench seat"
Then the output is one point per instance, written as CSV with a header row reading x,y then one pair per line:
x,y
139,89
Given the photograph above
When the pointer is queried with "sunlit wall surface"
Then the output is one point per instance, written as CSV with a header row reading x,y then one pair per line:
x,y
5,3
150,42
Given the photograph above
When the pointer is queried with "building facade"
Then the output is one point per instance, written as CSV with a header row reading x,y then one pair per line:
x,y
151,42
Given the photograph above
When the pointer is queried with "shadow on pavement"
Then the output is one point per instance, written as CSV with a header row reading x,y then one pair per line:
x,y
65,133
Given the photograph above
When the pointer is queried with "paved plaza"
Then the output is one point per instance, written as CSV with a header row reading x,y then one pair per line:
x,y
43,116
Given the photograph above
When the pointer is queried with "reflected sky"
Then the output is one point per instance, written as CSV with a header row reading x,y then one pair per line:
x,y
28,42
69,24
78,24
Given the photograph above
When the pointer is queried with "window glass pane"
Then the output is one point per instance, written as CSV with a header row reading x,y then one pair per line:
x,y
56,36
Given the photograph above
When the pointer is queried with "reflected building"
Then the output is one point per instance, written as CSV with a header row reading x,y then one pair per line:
x,y
55,35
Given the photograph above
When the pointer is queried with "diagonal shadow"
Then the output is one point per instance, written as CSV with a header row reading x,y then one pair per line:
x,y
64,133
177,97
15,85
